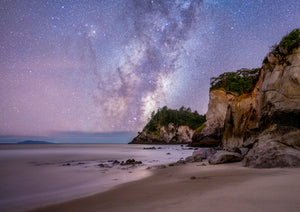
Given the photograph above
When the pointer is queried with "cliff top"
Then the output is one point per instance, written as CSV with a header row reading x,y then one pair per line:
x,y
243,80
239,82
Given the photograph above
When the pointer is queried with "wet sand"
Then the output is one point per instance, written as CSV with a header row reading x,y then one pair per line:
x,y
37,175
192,187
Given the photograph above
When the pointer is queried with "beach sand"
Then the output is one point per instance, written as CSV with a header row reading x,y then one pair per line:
x,y
36,175
226,187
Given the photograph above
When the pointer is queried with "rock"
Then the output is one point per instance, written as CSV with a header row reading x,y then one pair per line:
x,y
193,178
101,165
178,163
271,150
225,157
166,135
265,124
189,159
80,163
272,154
130,162
243,151
168,153
204,153
161,166
149,147
195,158
211,133
116,162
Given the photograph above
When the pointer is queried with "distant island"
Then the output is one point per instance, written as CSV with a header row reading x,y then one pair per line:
x,y
34,142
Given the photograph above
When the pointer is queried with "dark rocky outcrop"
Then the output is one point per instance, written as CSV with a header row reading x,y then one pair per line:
x,y
225,157
130,162
204,153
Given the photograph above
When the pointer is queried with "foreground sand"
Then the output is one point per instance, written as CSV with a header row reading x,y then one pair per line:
x,y
228,187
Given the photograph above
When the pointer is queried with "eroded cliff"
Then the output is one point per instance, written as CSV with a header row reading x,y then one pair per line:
x,y
169,126
165,135
210,133
262,125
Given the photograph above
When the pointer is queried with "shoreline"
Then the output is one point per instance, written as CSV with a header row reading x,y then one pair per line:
x,y
193,187
34,176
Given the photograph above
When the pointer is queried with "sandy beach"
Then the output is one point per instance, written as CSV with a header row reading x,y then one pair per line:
x,y
193,187
36,175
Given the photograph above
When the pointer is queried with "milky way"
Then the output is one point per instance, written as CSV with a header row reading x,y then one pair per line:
x,y
98,66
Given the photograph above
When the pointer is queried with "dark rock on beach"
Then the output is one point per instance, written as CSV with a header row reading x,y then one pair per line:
x,y
225,157
130,162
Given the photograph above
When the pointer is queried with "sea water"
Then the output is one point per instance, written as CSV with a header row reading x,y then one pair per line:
x,y
33,175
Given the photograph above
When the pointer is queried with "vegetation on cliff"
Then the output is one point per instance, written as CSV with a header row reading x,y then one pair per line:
x,y
184,116
287,44
244,80
241,81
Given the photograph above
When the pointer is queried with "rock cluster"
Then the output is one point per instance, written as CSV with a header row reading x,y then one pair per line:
x,y
130,162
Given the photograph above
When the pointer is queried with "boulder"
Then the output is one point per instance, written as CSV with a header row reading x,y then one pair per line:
x,y
275,150
196,158
178,163
225,157
204,153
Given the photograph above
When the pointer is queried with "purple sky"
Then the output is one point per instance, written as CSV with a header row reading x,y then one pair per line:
x,y
104,66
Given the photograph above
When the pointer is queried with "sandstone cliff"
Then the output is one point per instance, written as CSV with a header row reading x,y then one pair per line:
x,y
278,143
169,126
210,134
165,135
263,125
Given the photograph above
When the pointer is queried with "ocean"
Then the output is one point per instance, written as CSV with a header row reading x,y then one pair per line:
x,y
34,175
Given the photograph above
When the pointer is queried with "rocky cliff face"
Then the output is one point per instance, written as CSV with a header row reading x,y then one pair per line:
x,y
242,120
267,121
165,135
262,126
212,130
278,143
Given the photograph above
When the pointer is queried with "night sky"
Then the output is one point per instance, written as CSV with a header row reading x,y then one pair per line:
x,y
104,66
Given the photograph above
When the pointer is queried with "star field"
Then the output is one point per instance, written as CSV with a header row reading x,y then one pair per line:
x,y
98,66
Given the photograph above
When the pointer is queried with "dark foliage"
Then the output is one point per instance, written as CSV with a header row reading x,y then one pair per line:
x,y
183,116
241,81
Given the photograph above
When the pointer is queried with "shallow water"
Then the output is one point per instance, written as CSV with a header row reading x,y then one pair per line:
x,y
33,175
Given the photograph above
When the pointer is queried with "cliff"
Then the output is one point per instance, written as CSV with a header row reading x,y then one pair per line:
x,y
264,124
168,126
165,135
278,142
210,133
